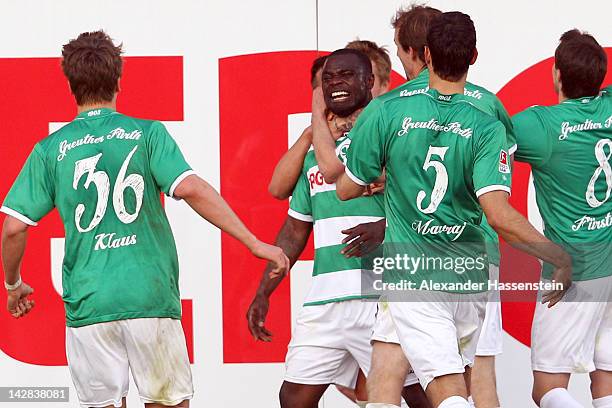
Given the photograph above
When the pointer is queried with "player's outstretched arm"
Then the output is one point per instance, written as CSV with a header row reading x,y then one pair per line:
x,y
14,237
324,146
518,232
289,167
292,238
205,200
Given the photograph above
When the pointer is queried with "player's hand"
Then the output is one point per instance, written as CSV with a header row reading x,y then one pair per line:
x,y
273,254
318,102
18,303
560,275
256,317
363,238
374,188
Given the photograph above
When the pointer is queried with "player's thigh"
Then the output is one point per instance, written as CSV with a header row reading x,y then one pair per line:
x,y
429,337
317,352
98,363
184,404
158,359
385,332
293,395
388,373
564,336
603,345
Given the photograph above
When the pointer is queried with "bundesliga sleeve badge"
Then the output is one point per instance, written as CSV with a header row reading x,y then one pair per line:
x,y
503,162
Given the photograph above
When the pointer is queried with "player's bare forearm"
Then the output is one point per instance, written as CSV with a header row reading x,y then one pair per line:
x,y
14,238
518,232
288,170
292,238
207,202
347,189
325,148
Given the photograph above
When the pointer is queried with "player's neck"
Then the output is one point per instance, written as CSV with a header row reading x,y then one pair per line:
x,y
102,105
562,97
416,70
446,87
339,126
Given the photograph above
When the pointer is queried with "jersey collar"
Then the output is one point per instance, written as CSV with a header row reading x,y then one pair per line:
x,y
95,113
581,101
441,98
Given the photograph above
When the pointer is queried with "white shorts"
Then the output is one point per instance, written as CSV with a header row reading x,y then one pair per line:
x,y
575,335
100,355
330,342
384,331
490,342
439,337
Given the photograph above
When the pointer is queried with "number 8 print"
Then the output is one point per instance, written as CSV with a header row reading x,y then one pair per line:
x,y
604,165
102,183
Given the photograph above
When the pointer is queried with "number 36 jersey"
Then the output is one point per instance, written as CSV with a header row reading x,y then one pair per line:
x,y
569,147
104,172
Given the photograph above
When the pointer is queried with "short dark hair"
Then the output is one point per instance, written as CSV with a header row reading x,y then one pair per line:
x,y
93,66
363,59
377,54
451,41
412,24
582,62
317,65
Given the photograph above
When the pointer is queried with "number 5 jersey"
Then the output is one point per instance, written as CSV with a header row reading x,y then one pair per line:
x,y
104,172
569,146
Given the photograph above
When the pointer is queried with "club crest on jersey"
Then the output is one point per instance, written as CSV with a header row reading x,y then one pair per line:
x,y
504,167
342,148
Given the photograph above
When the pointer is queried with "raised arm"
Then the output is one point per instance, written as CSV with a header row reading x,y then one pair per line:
x,y
292,239
289,167
205,200
324,145
518,232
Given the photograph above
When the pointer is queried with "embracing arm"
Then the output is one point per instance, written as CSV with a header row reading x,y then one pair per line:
x,y
205,200
289,167
324,145
518,232
292,239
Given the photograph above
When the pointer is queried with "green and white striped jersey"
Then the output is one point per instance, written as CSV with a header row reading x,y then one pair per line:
x,y
335,278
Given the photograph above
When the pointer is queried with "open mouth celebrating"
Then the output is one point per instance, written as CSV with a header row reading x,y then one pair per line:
x,y
340,96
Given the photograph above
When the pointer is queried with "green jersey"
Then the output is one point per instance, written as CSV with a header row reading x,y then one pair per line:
x,y
104,172
484,100
335,278
569,146
440,154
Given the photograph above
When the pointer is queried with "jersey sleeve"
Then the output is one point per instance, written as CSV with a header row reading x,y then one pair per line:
x,y
32,195
491,161
504,118
300,206
533,143
167,163
366,154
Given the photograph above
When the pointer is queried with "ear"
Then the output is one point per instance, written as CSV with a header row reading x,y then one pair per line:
x,y
118,85
556,74
371,82
427,56
474,56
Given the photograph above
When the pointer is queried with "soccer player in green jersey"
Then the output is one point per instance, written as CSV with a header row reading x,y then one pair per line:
x,y
446,163
569,146
411,26
104,172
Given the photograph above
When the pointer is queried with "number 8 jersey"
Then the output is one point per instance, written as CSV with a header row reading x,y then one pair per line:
x,y
569,146
104,172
